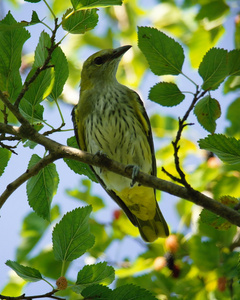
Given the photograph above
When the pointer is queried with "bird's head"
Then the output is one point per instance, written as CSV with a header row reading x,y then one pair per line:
x,y
101,67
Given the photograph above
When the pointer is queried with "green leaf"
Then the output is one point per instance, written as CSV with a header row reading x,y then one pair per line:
x,y
238,268
233,117
26,273
214,68
46,263
214,220
237,34
94,274
32,230
130,292
234,62
41,52
78,22
166,94
102,239
205,255
98,292
61,72
212,10
77,166
40,88
32,1
71,237
226,148
207,111
86,195
200,41
10,52
124,292
84,4
33,113
4,159
231,84
42,187
35,18
164,55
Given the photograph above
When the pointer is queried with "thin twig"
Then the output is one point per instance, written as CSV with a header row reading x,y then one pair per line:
x,y
175,143
46,133
10,148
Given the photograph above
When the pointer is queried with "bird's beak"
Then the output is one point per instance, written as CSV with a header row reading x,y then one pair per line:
x,y
118,52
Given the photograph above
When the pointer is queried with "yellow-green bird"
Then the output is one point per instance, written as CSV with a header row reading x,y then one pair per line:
x,y
110,118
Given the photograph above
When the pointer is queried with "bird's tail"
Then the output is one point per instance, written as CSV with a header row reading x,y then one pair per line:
x,y
152,229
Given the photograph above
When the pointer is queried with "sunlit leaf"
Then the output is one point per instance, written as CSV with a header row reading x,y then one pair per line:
x,y
78,22
166,94
214,68
234,62
71,237
4,159
84,4
94,274
226,148
86,195
164,55
42,187
207,111
27,273
10,52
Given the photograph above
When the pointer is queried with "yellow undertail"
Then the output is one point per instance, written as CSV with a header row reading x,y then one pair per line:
x,y
142,203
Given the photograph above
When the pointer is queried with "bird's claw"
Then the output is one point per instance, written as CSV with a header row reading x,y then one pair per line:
x,y
100,153
135,171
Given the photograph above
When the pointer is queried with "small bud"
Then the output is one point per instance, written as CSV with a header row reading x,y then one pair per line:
x,y
170,260
175,271
117,214
159,263
62,283
222,283
171,243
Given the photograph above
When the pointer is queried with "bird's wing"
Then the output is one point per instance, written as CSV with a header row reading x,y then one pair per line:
x,y
78,129
144,120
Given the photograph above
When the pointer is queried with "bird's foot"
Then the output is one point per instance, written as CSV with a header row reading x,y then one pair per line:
x,y
100,153
135,171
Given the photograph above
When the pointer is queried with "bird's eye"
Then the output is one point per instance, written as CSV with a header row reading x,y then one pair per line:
x,y
98,60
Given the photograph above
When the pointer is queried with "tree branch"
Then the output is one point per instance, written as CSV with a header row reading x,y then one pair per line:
x,y
24,297
58,150
175,143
